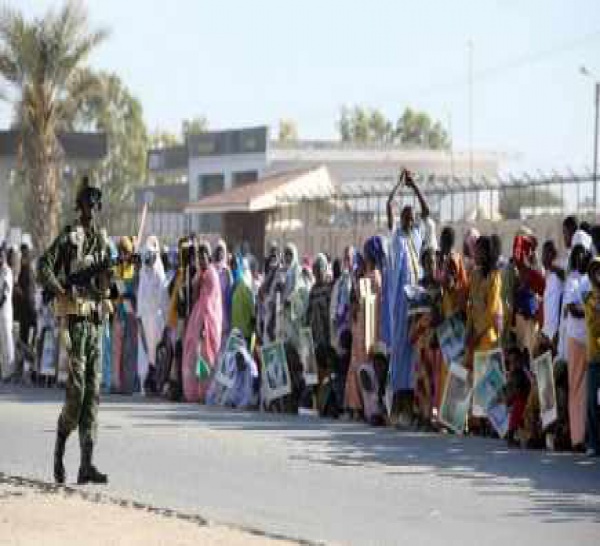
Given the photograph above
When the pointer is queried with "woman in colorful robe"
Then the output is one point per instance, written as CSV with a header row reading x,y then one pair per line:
x,y
295,296
226,283
204,328
484,312
361,354
243,315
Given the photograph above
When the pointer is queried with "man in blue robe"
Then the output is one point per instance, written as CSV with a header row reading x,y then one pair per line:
x,y
402,268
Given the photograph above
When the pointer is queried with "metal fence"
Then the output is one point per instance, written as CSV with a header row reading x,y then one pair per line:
x,y
358,209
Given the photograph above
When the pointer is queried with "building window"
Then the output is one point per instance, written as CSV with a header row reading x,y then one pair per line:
x,y
244,177
210,184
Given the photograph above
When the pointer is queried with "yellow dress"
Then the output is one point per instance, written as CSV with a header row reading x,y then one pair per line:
x,y
484,313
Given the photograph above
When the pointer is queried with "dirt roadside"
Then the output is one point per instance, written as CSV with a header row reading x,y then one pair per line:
x,y
33,513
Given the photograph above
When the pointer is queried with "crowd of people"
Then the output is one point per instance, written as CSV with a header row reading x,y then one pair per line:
x,y
175,315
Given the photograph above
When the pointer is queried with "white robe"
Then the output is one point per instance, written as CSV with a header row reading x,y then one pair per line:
x,y
151,304
7,344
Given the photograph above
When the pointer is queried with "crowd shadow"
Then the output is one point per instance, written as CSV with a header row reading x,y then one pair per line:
x,y
560,487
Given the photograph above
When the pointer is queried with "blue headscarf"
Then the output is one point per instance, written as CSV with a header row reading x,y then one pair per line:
x,y
374,251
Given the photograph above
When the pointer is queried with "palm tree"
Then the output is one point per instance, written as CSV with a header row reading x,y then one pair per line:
x,y
41,61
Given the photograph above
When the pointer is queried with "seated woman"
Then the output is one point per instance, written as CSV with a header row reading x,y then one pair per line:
x,y
371,380
241,390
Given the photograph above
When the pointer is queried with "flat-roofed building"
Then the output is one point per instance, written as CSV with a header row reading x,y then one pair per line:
x,y
219,162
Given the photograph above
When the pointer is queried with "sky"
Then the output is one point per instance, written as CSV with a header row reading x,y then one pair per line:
x,y
243,63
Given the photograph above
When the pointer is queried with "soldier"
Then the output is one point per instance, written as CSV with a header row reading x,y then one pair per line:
x,y
71,271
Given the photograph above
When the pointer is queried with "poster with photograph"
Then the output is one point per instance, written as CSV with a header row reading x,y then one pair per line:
x,y
276,375
225,373
544,374
497,414
420,300
489,388
484,361
307,356
456,399
452,339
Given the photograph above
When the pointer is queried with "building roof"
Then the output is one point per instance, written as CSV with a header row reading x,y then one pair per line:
x,y
268,192
335,151
76,146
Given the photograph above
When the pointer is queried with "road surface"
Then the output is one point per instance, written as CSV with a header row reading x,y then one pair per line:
x,y
306,478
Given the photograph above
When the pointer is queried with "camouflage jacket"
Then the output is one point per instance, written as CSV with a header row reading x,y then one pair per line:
x,y
73,253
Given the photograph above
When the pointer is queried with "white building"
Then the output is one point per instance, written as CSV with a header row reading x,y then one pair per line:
x,y
219,161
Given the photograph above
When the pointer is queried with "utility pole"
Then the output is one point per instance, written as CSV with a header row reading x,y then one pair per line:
x,y
595,176
589,74
470,49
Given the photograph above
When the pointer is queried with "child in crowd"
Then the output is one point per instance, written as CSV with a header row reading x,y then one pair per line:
x,y
517,392
370,375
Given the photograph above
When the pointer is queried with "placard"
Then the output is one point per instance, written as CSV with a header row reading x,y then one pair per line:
x,y
275,373
544,373
452,339
307,356
456,399
483,362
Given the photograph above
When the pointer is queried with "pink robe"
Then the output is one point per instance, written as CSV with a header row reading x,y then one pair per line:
x,y
208,314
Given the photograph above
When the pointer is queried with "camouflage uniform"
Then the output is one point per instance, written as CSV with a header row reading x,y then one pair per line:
x,y
72,251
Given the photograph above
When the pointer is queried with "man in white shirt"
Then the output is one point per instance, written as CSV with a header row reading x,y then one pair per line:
x,y
552,294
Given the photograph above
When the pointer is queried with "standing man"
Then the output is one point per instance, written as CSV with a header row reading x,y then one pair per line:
x,y
406,243
72,270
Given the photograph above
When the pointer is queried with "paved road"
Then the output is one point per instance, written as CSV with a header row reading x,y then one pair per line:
x,y
318,480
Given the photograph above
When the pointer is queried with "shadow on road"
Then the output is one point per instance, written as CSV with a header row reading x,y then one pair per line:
x,y
560,486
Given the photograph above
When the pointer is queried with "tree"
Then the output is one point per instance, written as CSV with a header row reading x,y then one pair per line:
x,y
416,129
42,62
512,200
194,126
288,130
117,113
364,125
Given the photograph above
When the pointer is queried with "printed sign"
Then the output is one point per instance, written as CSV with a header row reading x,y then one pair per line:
x,y
456,399
452,339
544,374
307,356
275,372
483,362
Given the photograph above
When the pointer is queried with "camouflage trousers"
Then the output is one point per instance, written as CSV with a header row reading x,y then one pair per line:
x,y
83,382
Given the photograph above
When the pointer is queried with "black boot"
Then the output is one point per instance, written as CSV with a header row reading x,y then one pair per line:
x,y
59,453
88,473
